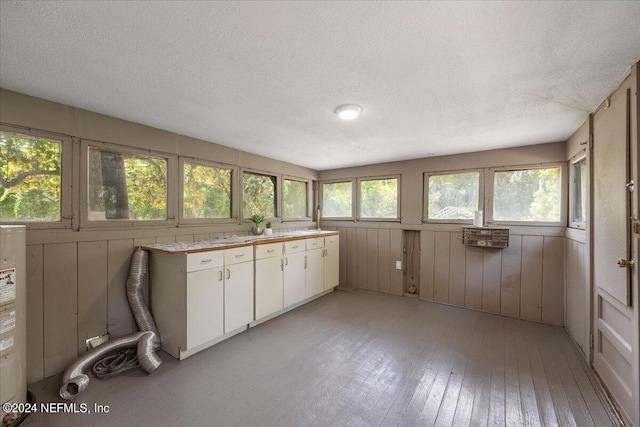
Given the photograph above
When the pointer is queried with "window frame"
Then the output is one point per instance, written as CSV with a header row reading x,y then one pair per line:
x,y
276,191
489,199
585,197
172,202
353,200
358,203
481,195
234,206
309,194
66,177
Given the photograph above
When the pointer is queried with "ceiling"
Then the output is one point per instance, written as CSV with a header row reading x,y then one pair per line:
x,y
432,78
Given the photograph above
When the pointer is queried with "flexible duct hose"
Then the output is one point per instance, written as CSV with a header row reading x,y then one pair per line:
x,y
74,381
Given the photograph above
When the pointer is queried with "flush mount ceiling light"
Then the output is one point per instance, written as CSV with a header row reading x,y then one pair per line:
x,y
348,112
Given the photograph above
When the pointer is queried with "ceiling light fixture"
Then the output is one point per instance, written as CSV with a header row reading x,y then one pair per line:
x,y
348,112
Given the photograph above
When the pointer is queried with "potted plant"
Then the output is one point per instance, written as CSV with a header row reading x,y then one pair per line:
x,y
268,231
256,219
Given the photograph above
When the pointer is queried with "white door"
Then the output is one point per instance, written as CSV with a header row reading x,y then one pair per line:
x,y
269,290
205,299
314,283
294,278
615,353
238,296
331,267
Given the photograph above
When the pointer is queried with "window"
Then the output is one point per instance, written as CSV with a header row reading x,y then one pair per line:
x,y
31,176
126,186
531,195
294,199
258,195
337,200
378,198
206,191
579,193
453,197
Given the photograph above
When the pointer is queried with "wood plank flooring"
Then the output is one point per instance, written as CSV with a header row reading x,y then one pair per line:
x,y
358,359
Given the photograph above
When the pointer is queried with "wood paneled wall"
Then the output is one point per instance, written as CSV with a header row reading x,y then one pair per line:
x,y
525,280
577,289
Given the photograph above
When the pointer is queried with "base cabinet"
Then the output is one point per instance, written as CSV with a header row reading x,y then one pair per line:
x,y
238,296
205,290
331,266
294,278
269,286
314,274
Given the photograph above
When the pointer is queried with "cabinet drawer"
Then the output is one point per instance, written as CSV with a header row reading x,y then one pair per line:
x,y
269,250
294,246
331,240
204,260
238,255
315,243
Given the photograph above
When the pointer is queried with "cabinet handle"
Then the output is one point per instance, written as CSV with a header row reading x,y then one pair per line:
x,y
270,250
204,261
305,262
286,261
220,279
281,265
239,256
295,247
228,274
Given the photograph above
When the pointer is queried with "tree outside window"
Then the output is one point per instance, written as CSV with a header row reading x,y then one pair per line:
x,y
527,195
294,199
206,191
258,195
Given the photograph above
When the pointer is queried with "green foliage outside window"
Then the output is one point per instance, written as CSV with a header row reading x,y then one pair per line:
x,y
337,200
453,196
379,198
207,192
294,199
258,195
30,178
527,195
126,186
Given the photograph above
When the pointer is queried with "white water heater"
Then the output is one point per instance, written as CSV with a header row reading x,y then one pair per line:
x,y
13,316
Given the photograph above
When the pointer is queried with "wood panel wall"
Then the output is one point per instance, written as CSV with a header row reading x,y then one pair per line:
x,y
525,280
577,292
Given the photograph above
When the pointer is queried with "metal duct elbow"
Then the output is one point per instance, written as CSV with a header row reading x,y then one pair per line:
x,y
74,381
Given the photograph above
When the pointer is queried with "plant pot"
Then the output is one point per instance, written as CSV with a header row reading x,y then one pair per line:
x,y
257,230
268,231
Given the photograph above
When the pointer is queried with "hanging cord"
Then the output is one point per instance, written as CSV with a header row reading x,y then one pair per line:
x,y
116,363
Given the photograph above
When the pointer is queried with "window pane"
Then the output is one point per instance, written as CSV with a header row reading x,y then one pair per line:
x,y
259,195
29,178
337,200
527,195
207,191
379,198
126,186
579,191
294,199
453,196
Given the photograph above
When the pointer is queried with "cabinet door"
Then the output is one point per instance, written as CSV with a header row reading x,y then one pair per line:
x,y
205,299
238,296
294,278
269,286
314,283
331,267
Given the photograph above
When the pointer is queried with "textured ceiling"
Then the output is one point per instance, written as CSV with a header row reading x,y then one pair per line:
x,y
265,77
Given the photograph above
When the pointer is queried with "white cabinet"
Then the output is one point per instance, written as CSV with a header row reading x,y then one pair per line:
x,y
331,262
187,299
238,288
314,273
269,279
294,272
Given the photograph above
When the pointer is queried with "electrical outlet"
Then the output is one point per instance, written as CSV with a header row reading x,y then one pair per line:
x,y
96,341
398,265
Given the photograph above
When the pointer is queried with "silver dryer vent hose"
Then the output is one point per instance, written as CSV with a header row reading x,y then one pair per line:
x,y
147,340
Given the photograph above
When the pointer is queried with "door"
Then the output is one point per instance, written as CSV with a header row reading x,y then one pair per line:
x,y
238,296
205,296
269,293
294,278
314,283
615,326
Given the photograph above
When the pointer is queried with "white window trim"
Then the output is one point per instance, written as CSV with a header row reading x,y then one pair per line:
x,y
353,199
172,170
277,191
481,196
359,217
307,216
577,159
66,176
234,205
489,180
